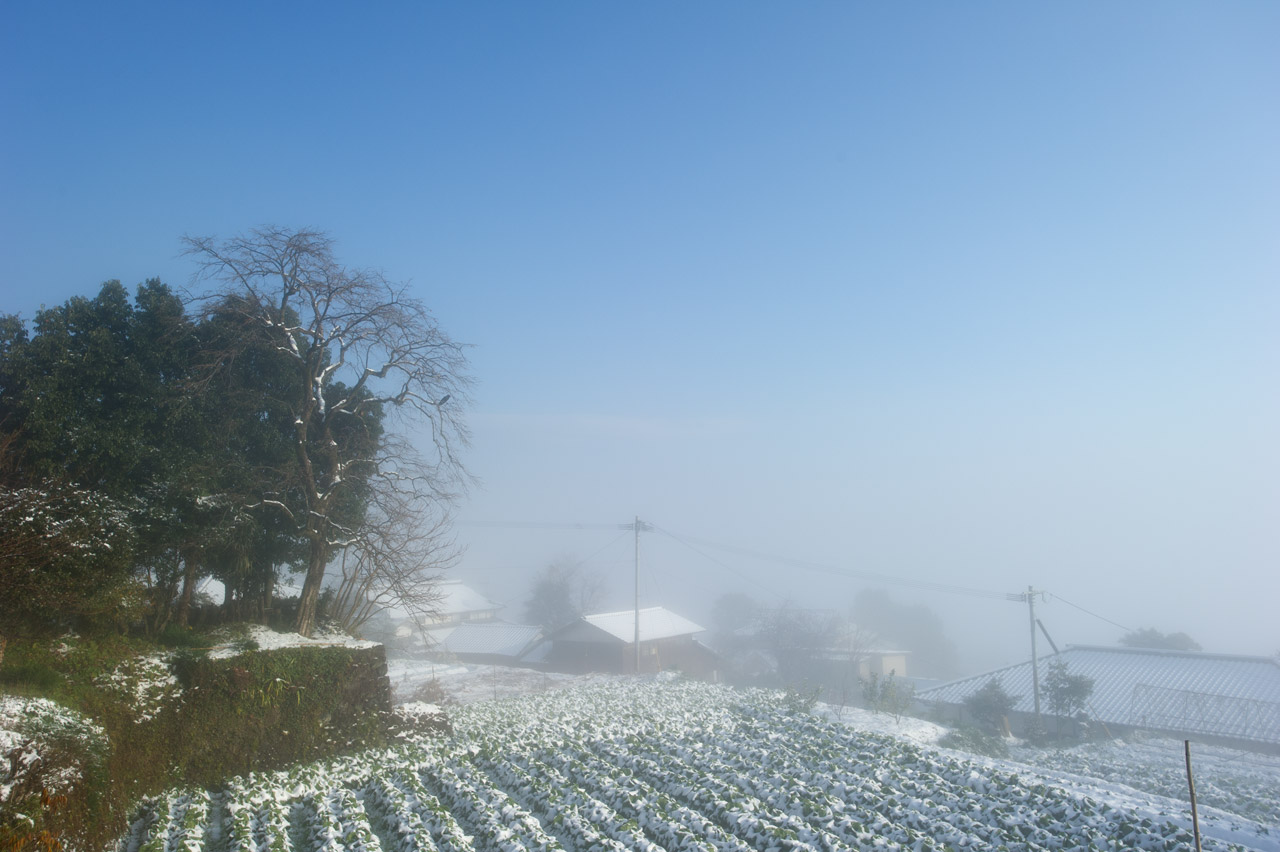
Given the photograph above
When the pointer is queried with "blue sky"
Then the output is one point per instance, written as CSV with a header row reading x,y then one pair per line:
x,y
977,293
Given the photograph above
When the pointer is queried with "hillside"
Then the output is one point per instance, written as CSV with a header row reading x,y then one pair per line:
x,y
667,765
88,726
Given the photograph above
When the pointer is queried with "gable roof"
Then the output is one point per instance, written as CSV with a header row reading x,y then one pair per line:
x,y
1215,694
656,622
493,638
457,598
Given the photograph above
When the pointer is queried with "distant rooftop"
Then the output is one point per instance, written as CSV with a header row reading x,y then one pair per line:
x,y
496,638
457,598
656,622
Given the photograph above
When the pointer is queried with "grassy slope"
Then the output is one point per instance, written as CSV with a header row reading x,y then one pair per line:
x,y
173,716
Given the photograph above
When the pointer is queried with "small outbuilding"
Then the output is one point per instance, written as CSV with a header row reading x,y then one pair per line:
x,y
605,642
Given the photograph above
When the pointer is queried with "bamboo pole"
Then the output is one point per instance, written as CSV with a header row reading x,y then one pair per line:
x,y
1191,783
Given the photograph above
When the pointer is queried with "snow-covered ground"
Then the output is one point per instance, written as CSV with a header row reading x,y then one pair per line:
x,y
660,763
467,684
1238,792
643,724
903,727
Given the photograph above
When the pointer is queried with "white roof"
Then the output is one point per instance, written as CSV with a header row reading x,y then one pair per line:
x,y
1215,694
457,598
496,638
656,622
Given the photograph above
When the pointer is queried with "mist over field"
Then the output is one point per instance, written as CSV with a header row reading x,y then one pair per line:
x,y
978,297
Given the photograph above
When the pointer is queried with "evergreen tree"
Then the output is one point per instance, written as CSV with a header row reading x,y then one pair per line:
x,y
89,408
991,705
1068,694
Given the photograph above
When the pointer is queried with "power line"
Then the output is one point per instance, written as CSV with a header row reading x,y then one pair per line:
x,y
849,573
1058,597
536,525
709,557
603,549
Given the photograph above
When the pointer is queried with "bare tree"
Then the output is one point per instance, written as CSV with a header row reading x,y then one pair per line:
x,y
361,345
402,551
798,639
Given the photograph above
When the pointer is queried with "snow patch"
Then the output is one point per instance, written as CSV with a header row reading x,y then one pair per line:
x,y
29,727
267,639
904,727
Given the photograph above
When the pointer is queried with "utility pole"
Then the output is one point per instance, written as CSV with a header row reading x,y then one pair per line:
x,y
639,526
637,578
1030,597
1035,666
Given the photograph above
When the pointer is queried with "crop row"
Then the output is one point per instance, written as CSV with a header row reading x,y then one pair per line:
x,y
643,766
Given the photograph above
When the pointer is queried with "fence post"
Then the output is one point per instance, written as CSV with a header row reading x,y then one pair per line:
x,y
1191,783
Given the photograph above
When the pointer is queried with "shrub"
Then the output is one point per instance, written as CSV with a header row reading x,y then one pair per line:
x,y
1068,694
990,705
174,636
34,676
888,695
49,752
432,692
65,555
975,741
801,699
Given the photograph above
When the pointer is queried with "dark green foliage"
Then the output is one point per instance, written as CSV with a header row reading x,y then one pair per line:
x,y
991,705
284,706
97,389
186,429
975,741
93,412
241,441
174,636
258,711
34,677
1068,694
65,559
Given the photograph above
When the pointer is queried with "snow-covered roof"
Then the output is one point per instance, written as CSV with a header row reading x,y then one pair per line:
x,y
1215,694
496,638
457,598
656,622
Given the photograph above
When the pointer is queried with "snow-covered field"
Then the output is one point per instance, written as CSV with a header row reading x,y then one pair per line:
x,y
666,764
467,684
1235,787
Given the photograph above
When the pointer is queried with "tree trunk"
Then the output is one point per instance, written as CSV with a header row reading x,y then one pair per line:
x,y
306,622
189,569
268,593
